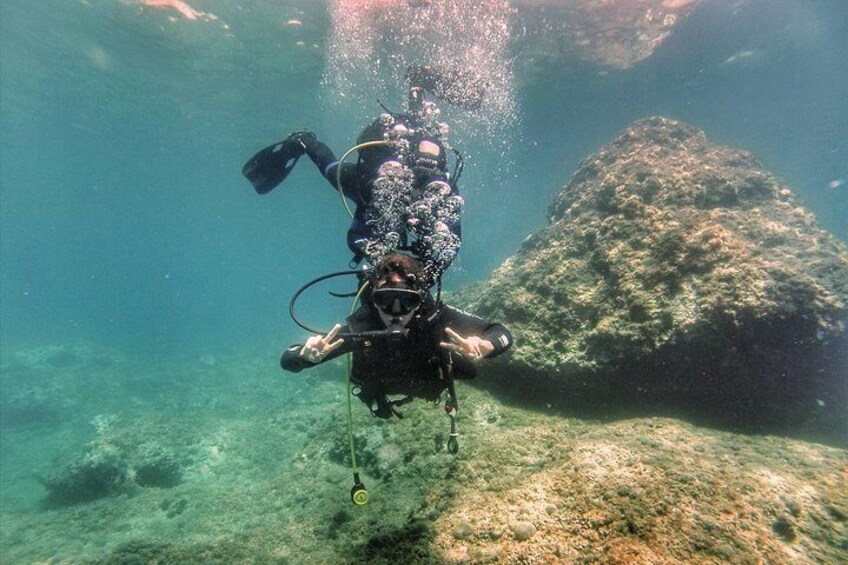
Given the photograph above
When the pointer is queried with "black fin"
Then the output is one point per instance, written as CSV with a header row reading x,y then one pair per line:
x,y
268,168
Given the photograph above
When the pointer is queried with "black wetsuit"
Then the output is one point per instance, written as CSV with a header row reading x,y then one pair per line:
x,y
414,366
357,184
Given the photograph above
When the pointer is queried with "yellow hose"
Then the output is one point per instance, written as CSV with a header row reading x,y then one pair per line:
x,y
348,358
341,162
355,300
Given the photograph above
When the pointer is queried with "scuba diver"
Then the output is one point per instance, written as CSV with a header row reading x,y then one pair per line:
x,y
405,344
405,197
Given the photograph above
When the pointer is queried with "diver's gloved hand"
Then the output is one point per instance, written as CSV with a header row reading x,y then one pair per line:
x,y
300,138
472,347
318,347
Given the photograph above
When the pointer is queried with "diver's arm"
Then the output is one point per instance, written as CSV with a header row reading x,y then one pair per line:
x,y
316,350
292,362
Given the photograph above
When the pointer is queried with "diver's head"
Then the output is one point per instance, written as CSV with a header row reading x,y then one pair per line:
x,y
397,293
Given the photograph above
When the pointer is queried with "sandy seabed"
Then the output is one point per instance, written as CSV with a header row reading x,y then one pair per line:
x,y
265,477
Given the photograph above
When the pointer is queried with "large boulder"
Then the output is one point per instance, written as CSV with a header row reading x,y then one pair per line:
x,y
677,273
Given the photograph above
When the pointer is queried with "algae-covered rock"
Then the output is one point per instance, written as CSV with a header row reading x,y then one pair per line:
x,y
157,466
96,475
646,491
682,268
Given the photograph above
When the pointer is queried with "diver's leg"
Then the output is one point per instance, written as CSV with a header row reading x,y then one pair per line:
x,y
325,160
320,154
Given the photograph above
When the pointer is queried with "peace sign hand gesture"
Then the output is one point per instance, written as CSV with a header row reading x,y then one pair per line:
x,y
472,347
317,347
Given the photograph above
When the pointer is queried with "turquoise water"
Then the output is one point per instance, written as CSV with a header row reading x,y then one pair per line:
x,y
140,275
125,219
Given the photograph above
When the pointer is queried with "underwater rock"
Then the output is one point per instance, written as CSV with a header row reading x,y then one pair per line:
x,y
157,467
677,272
96,475
645,491
523,530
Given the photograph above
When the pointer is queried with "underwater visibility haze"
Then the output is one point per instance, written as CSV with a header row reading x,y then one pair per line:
x,y
144,284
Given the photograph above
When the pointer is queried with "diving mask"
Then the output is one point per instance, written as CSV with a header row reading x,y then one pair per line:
x,y
396,301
